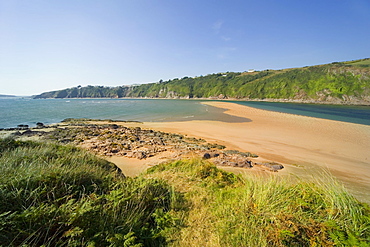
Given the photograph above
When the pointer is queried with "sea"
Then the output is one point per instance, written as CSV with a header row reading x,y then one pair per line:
x,y
15,111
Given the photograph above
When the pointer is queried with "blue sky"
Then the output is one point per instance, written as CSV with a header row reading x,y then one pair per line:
x,y
50,45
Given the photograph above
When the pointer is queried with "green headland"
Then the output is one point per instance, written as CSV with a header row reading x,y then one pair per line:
x,y
337,83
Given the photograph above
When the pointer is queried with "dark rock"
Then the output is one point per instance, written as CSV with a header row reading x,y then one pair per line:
x,y
22,126
276,167
17,133
206,156
245,163
28,133
114,126
272,166
40,125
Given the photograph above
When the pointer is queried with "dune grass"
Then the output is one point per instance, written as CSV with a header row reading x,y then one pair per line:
x,y
54,195
60,195
224,209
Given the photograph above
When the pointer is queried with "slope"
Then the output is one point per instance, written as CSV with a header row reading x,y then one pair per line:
x,y
338,82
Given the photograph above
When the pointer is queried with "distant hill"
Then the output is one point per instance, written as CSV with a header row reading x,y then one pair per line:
x,y
4,95
338,82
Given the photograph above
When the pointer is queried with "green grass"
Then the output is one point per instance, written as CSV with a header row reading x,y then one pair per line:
x,y
229,210
57,195
60,195
360,63
335,82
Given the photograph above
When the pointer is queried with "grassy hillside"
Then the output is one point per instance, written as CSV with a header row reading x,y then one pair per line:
x,y
56,195
359,63
339,82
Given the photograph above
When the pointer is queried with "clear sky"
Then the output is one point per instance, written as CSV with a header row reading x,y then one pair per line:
x,y
51,45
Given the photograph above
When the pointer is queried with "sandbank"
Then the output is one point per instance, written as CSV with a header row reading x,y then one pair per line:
x,y
303,144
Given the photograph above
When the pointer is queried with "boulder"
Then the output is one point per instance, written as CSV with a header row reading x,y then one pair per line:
x,y
17,133
206,156
273,166
210,155
40,125
22,126
245,163
114,126
28,133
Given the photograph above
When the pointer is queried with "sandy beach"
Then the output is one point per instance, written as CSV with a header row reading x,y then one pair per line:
x,y
304,145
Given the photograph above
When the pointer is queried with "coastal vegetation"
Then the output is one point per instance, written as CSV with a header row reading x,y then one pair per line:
x,y
61,195
338,82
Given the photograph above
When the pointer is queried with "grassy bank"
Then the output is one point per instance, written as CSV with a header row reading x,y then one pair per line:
x,y
61,195
228,210
57,195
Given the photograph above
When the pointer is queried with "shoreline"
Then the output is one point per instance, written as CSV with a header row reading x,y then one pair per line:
x,y
282,106
295,101
303,144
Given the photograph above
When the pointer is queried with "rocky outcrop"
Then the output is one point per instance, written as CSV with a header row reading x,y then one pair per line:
x,y
135,142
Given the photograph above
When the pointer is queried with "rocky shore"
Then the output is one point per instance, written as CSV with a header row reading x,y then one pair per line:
x,y
107,138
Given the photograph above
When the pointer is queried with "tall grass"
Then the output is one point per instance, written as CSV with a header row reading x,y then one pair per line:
x,y
229,210
61,195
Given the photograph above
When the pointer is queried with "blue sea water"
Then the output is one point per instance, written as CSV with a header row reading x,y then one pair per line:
x,y
344,113
15,111
22,110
